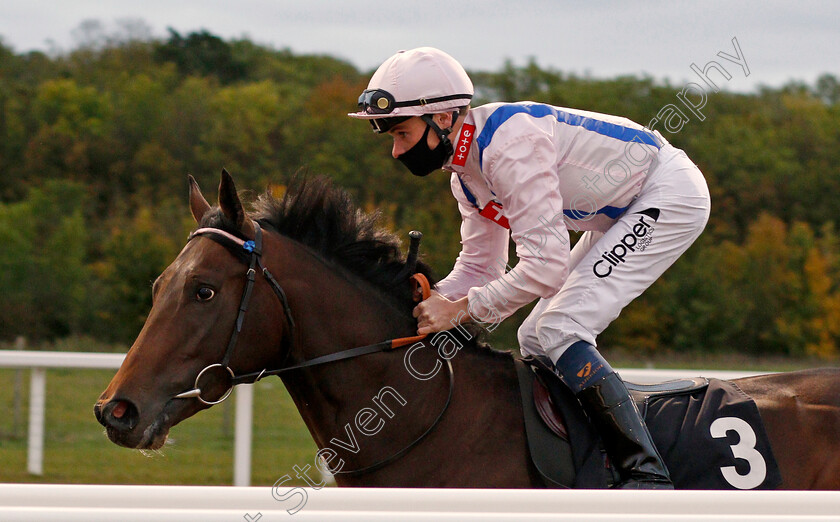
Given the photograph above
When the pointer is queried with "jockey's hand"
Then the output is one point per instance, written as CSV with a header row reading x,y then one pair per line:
x,y
437,313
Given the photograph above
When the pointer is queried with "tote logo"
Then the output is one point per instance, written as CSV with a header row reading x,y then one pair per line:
x,y
462,148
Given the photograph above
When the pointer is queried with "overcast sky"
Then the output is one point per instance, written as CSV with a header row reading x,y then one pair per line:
x,y
779,40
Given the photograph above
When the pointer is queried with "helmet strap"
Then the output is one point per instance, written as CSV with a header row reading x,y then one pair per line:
x,y
443,134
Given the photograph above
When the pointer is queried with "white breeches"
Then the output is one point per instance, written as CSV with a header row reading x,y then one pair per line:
x,y
609,269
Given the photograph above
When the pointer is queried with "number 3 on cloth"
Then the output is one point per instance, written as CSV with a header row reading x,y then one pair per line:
x,y
745,449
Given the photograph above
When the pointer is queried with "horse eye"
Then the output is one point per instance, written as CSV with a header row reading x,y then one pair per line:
x,y
205,293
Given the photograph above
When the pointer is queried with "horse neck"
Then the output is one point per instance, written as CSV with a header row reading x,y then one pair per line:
x,y
336,311
367,409
341,309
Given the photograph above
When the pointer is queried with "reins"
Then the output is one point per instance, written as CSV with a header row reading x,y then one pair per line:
x,y
253,250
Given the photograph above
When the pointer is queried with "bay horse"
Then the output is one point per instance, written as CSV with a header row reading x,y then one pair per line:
x,y
309,288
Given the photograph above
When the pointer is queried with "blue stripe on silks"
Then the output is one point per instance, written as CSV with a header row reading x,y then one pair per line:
x,y
612,130
610,212
467,193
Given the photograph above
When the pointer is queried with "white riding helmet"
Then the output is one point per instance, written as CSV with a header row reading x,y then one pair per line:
x,y
413,83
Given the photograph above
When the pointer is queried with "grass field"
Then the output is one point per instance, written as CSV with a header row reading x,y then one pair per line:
x,y
77,451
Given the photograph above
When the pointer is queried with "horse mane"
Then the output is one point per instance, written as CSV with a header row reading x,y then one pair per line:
x,y
318,214
323,217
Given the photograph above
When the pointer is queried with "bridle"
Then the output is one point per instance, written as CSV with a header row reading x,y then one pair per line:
x,y
253,250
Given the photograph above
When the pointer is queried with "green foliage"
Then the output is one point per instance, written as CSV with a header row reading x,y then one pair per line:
x,y
244,133
201,54
96,144
42,263
133,255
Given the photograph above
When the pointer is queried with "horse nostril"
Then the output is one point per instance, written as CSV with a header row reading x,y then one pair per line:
x,y
117,413
119,410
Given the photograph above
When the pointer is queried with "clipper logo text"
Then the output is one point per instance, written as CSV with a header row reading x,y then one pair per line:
x,y
638,238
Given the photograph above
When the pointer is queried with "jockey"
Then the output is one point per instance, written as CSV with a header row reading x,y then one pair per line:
x,y
532,172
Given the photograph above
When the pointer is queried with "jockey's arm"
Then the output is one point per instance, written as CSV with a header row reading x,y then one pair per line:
x,y
524,178
484,250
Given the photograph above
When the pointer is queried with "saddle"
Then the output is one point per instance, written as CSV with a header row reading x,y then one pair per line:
x,y
568,453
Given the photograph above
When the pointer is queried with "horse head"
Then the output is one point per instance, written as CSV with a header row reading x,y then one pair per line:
x,y
193,330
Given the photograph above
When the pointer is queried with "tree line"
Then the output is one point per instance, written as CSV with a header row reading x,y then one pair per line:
x,y
96,145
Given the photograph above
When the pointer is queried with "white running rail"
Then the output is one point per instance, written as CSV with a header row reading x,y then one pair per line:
x,y
92,503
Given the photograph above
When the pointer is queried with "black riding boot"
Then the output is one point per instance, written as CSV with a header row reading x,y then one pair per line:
x,y
609,406
625,434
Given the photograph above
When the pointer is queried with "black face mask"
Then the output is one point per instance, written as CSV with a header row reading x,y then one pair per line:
x,y
420,159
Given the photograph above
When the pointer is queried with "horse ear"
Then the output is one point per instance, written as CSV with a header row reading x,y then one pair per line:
x,y
198,205
231,205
